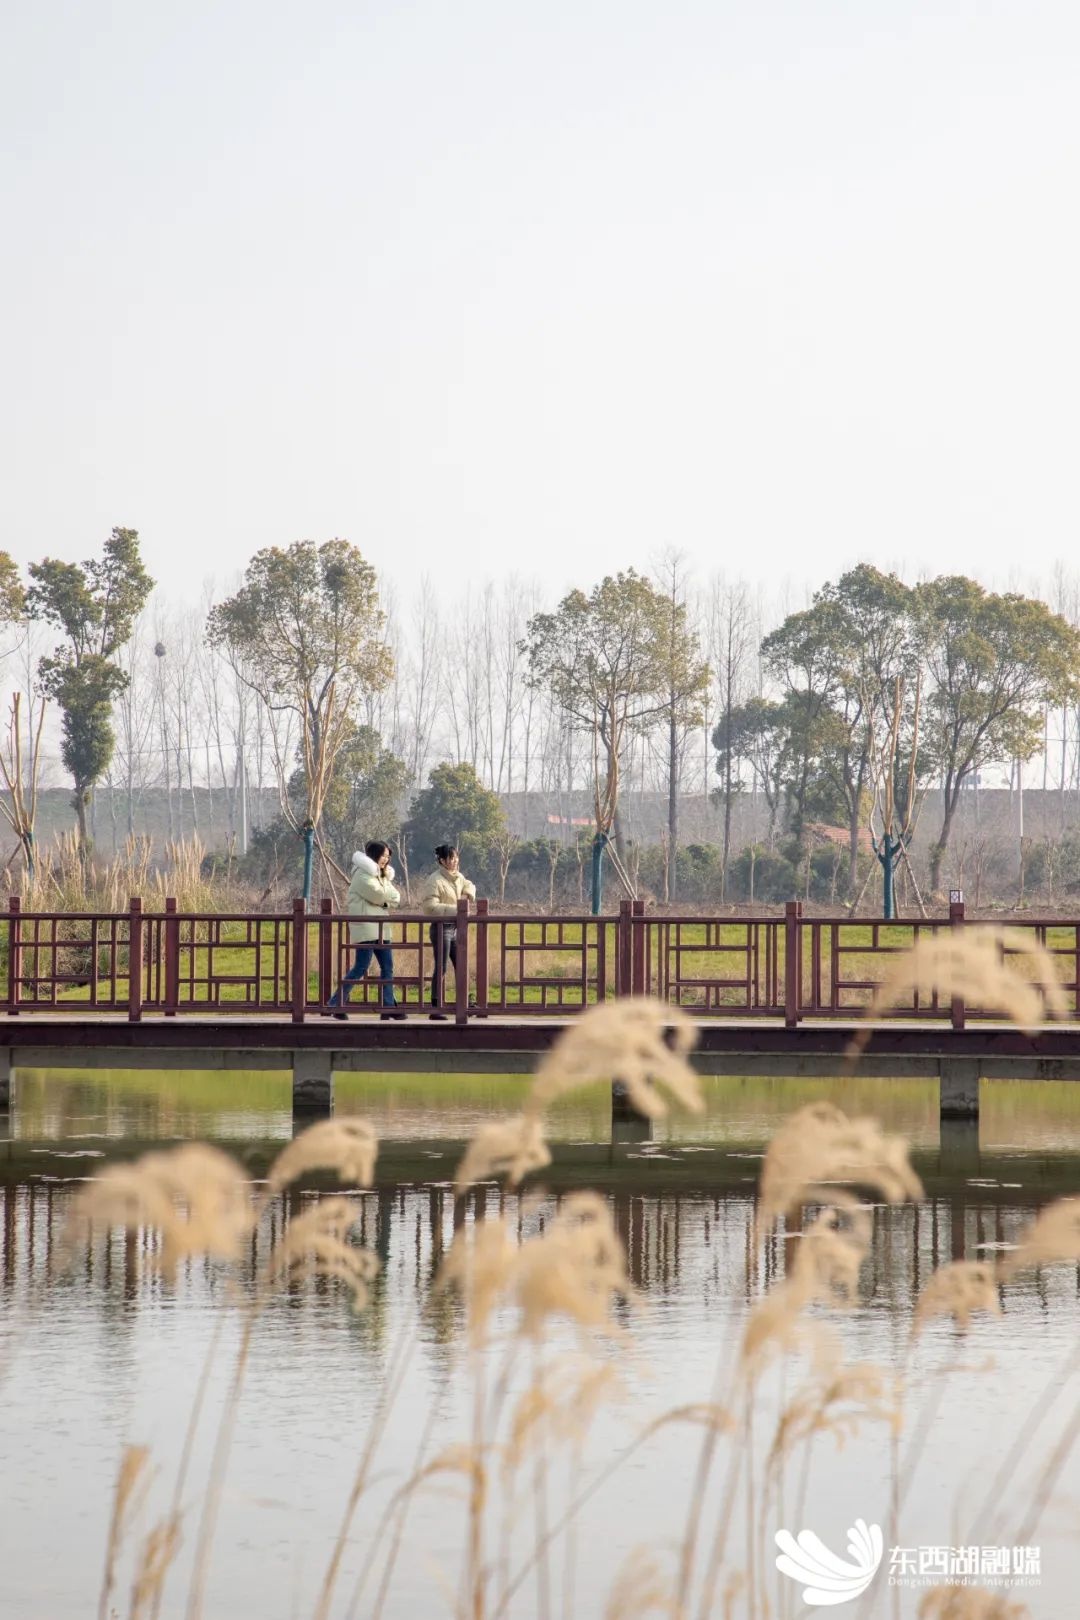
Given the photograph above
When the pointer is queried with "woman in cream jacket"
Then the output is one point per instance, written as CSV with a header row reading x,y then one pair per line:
x,y
371,898
439,898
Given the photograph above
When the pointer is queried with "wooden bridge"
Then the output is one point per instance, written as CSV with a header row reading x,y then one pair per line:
x,y
775,994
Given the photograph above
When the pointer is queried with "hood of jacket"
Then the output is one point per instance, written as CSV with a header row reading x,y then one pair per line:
x,y
365,863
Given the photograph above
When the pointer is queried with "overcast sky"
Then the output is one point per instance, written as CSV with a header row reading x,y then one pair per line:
x,y
543,287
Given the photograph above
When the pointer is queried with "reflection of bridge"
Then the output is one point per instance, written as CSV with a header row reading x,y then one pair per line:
x,y
684,1231
775,995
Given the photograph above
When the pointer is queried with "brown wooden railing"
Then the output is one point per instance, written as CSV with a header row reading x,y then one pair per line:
x,y
782,966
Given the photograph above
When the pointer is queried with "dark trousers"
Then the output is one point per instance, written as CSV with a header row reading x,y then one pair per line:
x,y
449,953
385,958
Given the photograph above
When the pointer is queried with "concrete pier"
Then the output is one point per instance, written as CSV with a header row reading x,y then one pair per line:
x,y
959,1147
959,1077
627,1125
312,1084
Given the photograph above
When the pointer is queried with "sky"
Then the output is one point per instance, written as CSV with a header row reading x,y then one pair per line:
x,y
543,288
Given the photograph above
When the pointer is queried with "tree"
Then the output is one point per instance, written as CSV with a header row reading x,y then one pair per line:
x,y
839,661
363,801
455,808
12,595
305,632
730,632
802,656
895,766
94,604
994,661
366,794
683,690
602,658
753,734
20,761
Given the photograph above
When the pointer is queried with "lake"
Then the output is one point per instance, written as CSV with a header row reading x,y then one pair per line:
x,y
102,1353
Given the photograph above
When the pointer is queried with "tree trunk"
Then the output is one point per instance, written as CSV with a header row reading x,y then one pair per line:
x,y
853,845
78,802
937,853
620,841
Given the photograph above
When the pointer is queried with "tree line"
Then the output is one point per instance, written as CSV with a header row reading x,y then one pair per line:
x,y
308,680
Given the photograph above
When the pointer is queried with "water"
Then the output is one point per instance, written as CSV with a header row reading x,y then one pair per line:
x,y
109,1355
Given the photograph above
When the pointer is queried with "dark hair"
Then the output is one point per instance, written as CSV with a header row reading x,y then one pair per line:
x,y
377,849
444,852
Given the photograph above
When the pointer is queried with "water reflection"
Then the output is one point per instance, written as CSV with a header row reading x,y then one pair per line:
x,y
104,1352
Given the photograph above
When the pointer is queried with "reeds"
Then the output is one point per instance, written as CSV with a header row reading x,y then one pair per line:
x,y
547,1332
67,879
979,964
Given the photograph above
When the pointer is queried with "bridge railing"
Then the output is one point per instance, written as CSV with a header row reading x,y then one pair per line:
x,y
785,966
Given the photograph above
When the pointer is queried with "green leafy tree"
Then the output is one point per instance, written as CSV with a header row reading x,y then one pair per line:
x,y
305,632
602,658
455,808
993,662
12,595
752,735
364,801
838,662
94,604
802,656
367,790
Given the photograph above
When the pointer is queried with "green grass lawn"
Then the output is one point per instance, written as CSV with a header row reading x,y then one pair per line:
x,y
526,961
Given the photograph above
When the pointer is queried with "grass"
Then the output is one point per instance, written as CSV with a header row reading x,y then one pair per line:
x,y
238,966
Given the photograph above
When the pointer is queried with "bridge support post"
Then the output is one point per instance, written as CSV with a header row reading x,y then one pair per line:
x,y
627,1125
7,1080
959,1088
959,1147
312,1084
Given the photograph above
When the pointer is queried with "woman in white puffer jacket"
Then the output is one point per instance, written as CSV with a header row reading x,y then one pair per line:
x,y
439,897
371,898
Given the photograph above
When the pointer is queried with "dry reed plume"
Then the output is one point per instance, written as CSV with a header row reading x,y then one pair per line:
x,y
644,1043
314,1245
575,1269
834,1402
957,1290
347,1146
818,1147
565,1397
513,1148
824,1271
1054,1235
976,964
64,878
195,1196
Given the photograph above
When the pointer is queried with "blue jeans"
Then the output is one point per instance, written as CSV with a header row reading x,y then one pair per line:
x,y
385,958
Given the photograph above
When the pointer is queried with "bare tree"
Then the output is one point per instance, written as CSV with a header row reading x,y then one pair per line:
x,y
731,639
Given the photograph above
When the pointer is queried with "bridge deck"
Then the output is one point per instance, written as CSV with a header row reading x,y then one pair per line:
x,y
367,1041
